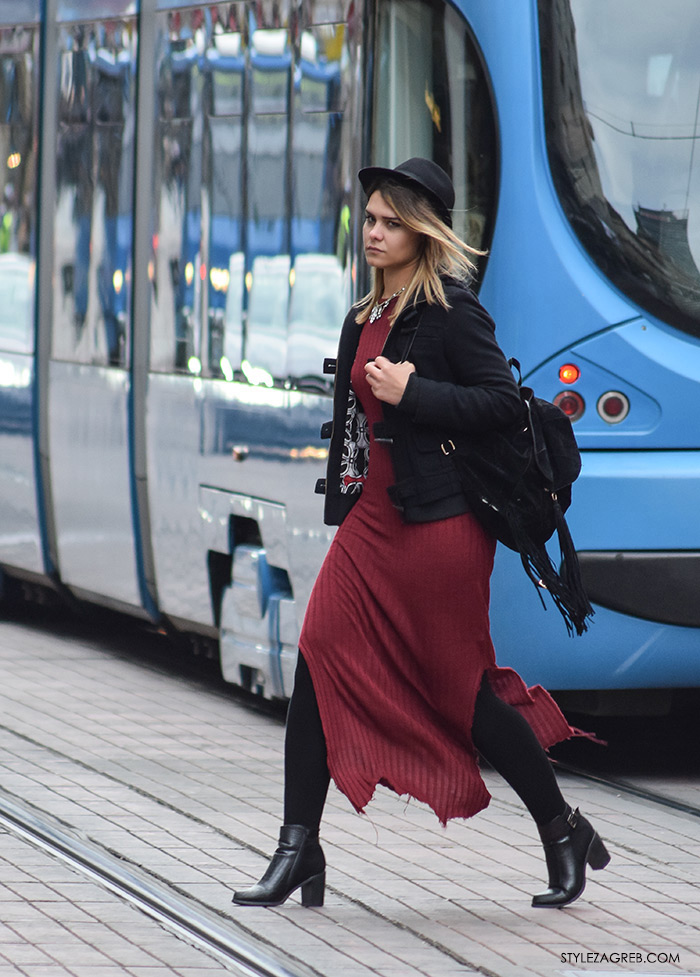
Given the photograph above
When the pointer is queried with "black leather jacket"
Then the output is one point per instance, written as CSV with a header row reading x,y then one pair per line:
x,y
462,385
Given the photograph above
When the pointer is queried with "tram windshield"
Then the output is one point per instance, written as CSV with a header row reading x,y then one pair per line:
x,y
622,112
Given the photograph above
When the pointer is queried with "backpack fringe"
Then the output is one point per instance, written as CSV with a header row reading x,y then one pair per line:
x,y
565,585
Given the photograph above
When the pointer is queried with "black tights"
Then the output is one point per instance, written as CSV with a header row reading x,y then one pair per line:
x,y
501,735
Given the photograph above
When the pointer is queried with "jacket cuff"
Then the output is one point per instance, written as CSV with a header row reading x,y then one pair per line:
x,y
409,401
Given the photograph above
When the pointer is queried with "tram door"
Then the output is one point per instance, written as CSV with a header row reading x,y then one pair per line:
x,y
87,467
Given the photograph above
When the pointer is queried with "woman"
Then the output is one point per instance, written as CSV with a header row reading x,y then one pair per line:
x,y
397,681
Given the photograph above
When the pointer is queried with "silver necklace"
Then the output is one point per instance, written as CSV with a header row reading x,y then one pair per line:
x,y
378,309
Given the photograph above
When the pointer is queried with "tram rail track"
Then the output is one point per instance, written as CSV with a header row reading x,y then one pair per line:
x,y
199,923
183,916
619,784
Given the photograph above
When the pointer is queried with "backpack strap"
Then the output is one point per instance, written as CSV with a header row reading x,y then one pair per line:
x,y
527,396
515,364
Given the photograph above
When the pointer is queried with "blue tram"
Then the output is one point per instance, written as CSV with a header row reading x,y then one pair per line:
x,y
179,240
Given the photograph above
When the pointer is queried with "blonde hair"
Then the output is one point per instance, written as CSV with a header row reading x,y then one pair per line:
x,y
441,251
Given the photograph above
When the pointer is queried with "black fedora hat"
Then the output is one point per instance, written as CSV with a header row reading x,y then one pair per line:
x,y
422,174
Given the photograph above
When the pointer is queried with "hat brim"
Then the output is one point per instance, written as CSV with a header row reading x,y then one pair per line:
x,y
372,174
369,176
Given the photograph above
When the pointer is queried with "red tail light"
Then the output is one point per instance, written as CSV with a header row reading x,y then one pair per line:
x,y
571,403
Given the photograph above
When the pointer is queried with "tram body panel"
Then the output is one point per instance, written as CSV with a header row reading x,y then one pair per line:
x,y
259,465
619,487
174,451
90,474
251,449
643,655
265,444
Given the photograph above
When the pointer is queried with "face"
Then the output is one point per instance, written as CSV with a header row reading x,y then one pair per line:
x,y
388,243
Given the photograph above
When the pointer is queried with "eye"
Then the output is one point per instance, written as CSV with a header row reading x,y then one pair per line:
x,y
369,219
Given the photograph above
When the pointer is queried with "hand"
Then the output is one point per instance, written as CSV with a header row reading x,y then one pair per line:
x,y
388,380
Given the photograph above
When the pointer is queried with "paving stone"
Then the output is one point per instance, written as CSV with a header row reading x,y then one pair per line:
x,y
185,780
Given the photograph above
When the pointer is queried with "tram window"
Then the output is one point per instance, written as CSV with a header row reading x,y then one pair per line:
x,y
320,70
432,99
325,12
226,258
271,63
320,207
225,59
19,47
266,345
94,192
178,264
273,14
267,185
622,127
251,206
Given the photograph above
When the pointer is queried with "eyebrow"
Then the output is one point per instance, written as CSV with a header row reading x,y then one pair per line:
x,y
387,217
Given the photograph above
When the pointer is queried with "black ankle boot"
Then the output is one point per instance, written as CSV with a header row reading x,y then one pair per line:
x,y
570,841
297,863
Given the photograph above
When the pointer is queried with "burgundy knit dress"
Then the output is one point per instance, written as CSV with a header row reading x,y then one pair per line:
x,y
396,637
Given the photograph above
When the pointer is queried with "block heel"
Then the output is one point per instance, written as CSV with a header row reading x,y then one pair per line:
x,y
312,892
598,855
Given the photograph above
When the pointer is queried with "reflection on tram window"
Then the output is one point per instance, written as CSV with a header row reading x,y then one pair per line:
x,y
325,11
16,303
320,203
18,64
178,266
252,174
271,62
267,185
273,14
266,346
319,185
425,56
319,74
94,171
319,301
233,335
226,258
225,59
225,92
621,107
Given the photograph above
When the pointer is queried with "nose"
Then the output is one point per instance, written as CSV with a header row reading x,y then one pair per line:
x,y
375,232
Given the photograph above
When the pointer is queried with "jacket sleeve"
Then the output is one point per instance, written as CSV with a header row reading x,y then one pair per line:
x,y
479,392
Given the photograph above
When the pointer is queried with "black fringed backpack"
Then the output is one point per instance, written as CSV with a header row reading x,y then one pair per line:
x,y
518,485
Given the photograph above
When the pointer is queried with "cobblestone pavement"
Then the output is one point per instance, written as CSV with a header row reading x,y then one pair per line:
x,y
185,781
53,923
